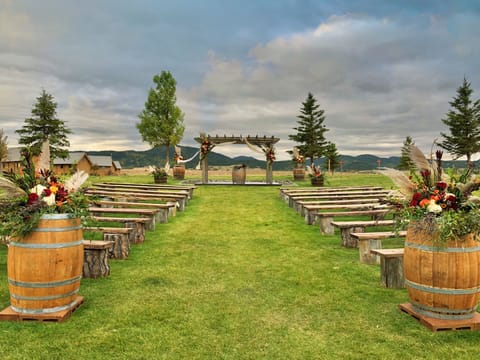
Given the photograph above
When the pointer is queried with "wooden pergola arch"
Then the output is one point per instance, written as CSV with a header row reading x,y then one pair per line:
x,y
265,143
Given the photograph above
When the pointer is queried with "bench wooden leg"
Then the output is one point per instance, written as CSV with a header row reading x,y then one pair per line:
x,y
121,245
137,236
347,240
95,261
364,247
326,226
392,272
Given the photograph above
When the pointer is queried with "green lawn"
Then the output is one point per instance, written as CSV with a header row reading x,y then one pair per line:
x,y
238,275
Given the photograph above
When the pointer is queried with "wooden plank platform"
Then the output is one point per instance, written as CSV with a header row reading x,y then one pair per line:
x,y
8,314
442,325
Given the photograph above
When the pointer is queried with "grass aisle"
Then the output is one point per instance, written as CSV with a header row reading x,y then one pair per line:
x,y
236,276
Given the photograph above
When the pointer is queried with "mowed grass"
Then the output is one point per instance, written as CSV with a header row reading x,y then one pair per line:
x,y
238,275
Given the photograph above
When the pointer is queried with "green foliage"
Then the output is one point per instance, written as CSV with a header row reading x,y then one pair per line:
x,y
161,121
310,130
405,162
44,125
332,157
3,148
463,121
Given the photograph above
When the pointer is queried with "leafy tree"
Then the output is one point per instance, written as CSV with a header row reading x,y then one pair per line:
x,y
3,149
310,132
332,157
405,162
463,121
44,125
161,119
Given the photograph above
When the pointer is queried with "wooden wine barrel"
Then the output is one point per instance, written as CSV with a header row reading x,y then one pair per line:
x,y
443,282
179,172
239,174
45,267
299,173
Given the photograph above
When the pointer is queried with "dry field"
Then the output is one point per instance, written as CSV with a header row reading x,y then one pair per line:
x,y
213,171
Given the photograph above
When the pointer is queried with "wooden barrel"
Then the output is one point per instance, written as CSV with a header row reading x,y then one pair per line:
x,y
45,267
299,173
239,174
179,172
443,282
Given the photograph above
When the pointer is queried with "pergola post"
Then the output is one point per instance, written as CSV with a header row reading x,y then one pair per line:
x,y
204,167
269,172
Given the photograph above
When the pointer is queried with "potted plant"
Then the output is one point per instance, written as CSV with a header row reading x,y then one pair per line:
x,y
317,178
179,167
299,169
43,229
160,175
441,258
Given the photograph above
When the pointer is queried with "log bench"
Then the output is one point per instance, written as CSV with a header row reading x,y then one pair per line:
x,y
189,188
368,241
347,227
391,267
302,207
295,199
164,210
120,237
149,214
311,210
326,218
95,258
285,193
139,226
124,196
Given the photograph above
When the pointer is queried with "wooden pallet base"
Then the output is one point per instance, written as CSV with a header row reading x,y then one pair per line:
x,y
8,314
442,325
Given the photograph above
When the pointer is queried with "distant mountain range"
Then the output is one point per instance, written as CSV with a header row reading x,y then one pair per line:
x,y
132,159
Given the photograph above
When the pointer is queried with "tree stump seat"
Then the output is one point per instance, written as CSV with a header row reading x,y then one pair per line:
x,y
95,259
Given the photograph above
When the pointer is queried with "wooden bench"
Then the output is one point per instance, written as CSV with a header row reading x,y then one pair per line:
x,y
124,196
368,241
164,210
95,258
299,206
311,210
285,193
293,200
326,218
150,214
120,237
139,226
391,267
347,227
189,188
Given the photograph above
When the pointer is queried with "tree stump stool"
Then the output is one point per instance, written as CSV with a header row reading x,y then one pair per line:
x,y
95,260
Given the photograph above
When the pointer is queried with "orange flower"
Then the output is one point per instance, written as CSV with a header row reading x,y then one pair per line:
x,y
424,202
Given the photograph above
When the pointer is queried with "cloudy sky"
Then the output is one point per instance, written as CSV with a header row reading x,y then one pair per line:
x,y
381,70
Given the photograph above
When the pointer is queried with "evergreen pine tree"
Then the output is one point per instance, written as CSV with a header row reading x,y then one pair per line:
x,y
332,157
405,162
44,125
310,132
463,120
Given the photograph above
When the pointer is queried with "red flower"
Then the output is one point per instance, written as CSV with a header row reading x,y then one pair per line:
x,y
441,185
32,198
416,199
47,192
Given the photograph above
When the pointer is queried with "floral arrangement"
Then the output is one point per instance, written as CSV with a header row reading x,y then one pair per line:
x,y
178,155
270,154
38,193
298,159
314,171
436,201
